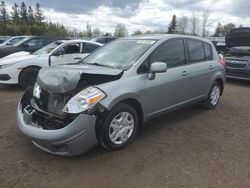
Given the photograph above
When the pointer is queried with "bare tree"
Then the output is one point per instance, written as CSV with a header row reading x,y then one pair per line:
x,y
194,23
182,24
205,16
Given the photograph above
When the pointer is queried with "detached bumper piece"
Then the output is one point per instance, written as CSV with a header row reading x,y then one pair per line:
x,y
4,77
70,138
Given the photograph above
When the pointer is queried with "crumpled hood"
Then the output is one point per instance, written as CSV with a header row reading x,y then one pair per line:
x,y
15,58
238,37
66,78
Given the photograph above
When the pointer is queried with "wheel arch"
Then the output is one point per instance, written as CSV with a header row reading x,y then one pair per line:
x,y
25,68
221,82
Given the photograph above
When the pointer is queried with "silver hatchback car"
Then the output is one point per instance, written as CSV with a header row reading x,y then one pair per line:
x,y
107,96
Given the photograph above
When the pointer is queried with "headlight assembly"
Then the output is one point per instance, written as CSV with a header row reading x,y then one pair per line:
x,y
84,100
6,65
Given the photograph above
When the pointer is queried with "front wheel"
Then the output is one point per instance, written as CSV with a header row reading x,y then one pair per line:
x,y
213,97
119,127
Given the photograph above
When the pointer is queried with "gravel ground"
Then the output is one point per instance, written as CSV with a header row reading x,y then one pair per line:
x,y
191,148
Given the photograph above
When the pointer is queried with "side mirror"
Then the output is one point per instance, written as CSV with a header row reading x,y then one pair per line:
x,y
156,67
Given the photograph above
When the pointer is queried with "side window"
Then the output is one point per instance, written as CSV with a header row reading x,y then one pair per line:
x,y
101,40
34,43
195,51
89,48
172,52
72,49
208,52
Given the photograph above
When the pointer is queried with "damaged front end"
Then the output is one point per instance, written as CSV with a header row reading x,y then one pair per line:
x,y
42,114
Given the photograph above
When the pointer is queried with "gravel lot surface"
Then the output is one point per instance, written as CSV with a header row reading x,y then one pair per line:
x,y
191,148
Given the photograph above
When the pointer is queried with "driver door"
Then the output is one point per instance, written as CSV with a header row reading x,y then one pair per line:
x,y
172,88
68,54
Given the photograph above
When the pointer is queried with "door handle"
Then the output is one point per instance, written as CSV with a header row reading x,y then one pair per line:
x,y
77,58
211,67
184,73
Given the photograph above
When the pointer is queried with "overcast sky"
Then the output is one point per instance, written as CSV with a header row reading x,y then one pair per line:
x,y
138,14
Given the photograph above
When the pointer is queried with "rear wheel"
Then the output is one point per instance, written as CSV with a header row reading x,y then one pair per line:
x,y
119,127
28,77
213,97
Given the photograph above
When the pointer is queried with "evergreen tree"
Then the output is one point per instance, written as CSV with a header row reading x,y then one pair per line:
x,y
23,12
31,17
15,14
218,30
172,28
4,16
39,17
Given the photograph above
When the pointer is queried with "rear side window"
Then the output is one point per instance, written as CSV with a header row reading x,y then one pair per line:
x,y
89,48
195,51
208,51
172,52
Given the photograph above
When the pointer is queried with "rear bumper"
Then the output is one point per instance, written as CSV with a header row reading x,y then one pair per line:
x,y
76,138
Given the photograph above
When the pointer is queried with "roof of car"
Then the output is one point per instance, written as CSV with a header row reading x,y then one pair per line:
x,y
165,36
81,40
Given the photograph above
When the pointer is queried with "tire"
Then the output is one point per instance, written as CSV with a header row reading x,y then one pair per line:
x,y
214,95
28,77
110,127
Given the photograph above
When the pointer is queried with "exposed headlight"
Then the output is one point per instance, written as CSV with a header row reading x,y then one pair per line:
x,y
6,65
84,100
37,91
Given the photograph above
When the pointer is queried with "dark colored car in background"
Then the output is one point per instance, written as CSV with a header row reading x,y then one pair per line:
x,y
237,56
29,44
103,40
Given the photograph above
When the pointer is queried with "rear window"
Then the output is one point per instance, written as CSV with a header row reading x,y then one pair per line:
x,y
195,51
208,51
89,48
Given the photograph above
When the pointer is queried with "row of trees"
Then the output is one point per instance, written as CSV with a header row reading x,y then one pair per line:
x,y
196,25
23,20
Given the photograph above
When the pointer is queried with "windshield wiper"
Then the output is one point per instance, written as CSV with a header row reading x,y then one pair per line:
x,y
100,65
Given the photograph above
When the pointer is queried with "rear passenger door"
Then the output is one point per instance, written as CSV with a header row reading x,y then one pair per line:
x,y
200,60
169,89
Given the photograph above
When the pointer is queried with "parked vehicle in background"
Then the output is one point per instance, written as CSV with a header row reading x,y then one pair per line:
x,y
11,41
105,98
237,57
219,43
103,40
29,44
22,69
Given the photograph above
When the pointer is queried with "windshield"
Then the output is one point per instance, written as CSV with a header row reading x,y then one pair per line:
x,y
21,41
120,53
47,49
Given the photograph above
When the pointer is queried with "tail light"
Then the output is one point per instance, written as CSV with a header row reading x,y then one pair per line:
x,y
222,60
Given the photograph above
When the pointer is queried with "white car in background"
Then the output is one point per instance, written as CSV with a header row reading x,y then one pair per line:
x,y
22,67
13,40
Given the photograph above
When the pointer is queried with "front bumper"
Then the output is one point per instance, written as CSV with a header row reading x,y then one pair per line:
x,y
76,138
9,75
